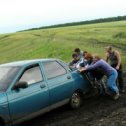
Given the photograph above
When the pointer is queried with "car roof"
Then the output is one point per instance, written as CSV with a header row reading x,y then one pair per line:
x,y
25,62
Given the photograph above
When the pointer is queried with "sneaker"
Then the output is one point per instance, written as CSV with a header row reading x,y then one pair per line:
x,y
116,96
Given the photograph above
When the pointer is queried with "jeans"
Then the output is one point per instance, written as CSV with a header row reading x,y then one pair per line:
x,y
111,82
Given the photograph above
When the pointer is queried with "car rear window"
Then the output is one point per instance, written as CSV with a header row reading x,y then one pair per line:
x,y
54,69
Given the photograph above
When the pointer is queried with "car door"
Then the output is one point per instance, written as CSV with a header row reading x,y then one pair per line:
x,y
59,81
28,102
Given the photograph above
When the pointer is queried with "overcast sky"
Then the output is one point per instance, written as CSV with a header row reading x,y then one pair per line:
x,y
17,15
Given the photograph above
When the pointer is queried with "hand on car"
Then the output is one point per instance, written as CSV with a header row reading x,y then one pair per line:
x,y
82,69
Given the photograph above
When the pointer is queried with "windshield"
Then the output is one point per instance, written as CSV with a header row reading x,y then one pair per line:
x,y
7,75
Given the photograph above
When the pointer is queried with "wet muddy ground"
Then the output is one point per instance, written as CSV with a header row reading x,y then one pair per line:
x,y
95,111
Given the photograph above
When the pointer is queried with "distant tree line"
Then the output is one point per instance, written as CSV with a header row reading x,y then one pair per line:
x,y
101,20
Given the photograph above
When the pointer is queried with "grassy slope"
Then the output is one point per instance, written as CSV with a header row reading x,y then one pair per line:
x,y
60,42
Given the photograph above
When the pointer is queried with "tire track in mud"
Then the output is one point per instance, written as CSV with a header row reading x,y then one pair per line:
x,y
94,112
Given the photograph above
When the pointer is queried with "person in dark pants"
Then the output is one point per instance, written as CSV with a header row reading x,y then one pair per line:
x,y
113,56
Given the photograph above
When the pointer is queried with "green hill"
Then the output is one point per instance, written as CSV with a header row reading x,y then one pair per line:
x,y
60,42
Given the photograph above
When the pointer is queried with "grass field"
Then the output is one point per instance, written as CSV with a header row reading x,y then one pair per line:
x,y
60,42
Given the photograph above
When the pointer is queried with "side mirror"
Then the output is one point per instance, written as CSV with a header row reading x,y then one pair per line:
x,y
21,84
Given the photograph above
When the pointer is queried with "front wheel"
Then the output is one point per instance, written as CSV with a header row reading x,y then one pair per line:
x,y
76,100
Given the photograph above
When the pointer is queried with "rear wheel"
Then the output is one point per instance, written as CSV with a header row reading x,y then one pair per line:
x,y
76,100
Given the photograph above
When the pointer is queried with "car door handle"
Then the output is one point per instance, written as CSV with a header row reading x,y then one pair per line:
x,y
68,77
42,86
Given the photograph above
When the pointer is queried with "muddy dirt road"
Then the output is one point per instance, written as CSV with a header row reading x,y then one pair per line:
x,y
98,111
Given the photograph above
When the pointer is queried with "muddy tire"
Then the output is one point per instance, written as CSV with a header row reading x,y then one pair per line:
x,y
76,100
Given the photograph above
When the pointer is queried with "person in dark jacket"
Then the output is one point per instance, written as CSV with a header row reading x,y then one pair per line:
x,y
74,64
78,52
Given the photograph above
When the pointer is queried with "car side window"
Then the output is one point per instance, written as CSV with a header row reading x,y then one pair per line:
x,y
32,75
54,69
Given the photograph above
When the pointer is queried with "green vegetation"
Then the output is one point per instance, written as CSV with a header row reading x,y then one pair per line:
x,y
101,20
60,42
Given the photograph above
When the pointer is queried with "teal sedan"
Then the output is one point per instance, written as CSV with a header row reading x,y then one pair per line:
x,y
32,87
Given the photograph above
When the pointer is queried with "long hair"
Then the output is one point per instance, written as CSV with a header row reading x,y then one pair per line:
x,y
88,56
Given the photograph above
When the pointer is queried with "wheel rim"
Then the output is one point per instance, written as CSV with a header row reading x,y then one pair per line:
x,y
75,101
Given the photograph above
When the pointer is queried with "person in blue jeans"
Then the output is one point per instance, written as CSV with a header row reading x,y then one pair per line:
x,y
109,71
